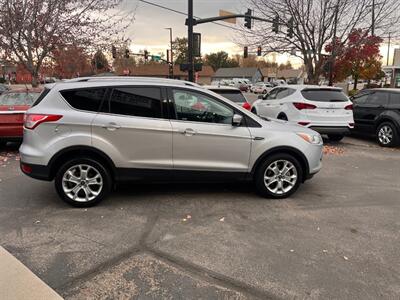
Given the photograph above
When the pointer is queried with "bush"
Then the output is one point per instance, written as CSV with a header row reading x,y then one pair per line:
x,y
2,80
352,93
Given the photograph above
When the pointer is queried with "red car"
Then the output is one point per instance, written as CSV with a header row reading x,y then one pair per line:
x,y
13,105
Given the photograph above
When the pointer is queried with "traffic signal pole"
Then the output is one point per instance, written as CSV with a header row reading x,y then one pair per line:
x,y
190,41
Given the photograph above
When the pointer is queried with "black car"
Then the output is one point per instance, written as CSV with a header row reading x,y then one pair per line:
x,y
377,112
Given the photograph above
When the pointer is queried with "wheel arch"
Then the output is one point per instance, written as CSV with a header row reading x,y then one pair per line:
x,y
76,151
301,158
388,117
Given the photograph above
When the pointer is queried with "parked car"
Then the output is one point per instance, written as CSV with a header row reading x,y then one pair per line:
x,y
231,93
13,105
377,112
326,110
261,87
88,133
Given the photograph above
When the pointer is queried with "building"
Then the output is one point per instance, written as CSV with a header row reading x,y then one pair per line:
x,y
252,74
162,71
393,71
293,76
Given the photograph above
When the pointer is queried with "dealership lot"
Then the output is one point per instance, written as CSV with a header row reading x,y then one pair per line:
x,y
336,238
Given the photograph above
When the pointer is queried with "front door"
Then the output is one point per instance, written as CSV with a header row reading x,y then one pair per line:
x,y
203,136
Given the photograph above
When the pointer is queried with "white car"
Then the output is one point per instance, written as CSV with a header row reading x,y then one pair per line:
x,y
261,88
324,109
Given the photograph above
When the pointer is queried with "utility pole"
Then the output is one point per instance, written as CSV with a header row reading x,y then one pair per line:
x,y
171,53
388,53
333,58
373,18
190,41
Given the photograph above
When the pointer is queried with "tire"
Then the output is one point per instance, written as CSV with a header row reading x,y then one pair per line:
x,y
387,135
94,193
3,143
283,117
335,137
273,190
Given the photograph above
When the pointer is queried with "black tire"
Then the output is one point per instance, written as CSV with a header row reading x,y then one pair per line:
x,y
335,137
283,117
387,135
95,166
261,171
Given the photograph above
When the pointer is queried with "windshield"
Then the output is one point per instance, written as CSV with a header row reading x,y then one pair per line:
x,y
18,98
235,96
324,95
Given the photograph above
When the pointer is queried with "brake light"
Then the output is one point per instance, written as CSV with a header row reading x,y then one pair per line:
x,y
246,105
300,105
31,121
349,107
26,169
303,123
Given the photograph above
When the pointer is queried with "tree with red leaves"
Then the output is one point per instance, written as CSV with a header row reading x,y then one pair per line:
x,y
358,57
70,61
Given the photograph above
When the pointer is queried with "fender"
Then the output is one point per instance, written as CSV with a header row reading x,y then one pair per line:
x,y
389,116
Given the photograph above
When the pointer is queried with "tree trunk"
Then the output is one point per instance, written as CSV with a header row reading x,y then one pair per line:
x,y
35,79
355,77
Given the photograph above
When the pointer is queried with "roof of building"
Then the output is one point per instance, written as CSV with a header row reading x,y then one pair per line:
x,y
287,73
236,72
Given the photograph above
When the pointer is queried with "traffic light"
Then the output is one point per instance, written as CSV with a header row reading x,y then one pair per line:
x,y
259,50
275,24
114,52
290,29
246,52
126,53
247,19
146,55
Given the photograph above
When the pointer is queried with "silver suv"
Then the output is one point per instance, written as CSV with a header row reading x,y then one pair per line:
x,y
89,133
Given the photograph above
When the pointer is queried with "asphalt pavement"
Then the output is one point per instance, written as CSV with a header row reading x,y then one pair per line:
x,y
336,238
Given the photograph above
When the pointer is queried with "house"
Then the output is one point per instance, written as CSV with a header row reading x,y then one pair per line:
x,y
162,71
294,76
252,74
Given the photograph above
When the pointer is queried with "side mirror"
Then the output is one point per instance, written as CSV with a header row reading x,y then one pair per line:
x,y
237,120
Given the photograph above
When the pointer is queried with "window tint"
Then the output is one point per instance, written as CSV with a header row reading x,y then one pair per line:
x,y
200,108
18,98
282,93
378,98
41,97
235,96
395,98
360,99
135,101
324,95
272,94
85,99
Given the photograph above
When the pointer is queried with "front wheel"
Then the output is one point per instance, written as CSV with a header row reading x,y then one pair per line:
x,y
279,176
387,135
335,137
83,182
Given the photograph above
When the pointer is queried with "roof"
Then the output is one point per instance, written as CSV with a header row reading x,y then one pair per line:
x,y
289,73
163,70
236,72
222,87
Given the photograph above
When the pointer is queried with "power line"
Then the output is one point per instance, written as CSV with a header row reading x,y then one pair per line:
x,y
183,13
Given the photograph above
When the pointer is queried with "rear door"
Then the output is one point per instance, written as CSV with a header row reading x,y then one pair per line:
x,y
370,109
264,107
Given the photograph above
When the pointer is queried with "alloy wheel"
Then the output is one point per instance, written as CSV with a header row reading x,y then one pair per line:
x,y
385,135
82,183
280,177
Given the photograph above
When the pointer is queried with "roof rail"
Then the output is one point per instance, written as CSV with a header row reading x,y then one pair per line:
x,y
131,78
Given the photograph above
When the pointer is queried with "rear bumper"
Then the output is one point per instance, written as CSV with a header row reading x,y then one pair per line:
x,y
331,129
36,171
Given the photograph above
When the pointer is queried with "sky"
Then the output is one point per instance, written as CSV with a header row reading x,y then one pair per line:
x,y
148,31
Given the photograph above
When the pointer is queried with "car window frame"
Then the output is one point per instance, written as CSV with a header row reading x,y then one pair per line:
x,y
276,90
80,88
378,104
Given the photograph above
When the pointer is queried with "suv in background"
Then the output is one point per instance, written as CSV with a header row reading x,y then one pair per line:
x,y
324,109
90,133
377,112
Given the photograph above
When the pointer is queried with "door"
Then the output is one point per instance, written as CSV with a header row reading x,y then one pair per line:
x,y
367,109
133,129
264,108
203,136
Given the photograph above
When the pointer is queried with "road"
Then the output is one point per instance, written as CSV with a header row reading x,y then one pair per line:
x,y
336,238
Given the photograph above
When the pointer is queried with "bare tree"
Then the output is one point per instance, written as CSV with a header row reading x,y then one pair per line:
x,y
316,23
31,29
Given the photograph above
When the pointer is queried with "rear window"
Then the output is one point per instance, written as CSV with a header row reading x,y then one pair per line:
x,y
41,97
18,98
324,95
235,96
85,99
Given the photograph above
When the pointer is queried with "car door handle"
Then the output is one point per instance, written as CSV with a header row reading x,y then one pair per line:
x,y
189,132
112,126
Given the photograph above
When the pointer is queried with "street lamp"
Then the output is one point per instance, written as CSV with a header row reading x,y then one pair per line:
x,y
171,53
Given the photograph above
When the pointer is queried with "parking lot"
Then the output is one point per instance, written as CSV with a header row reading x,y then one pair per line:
x,y
336,238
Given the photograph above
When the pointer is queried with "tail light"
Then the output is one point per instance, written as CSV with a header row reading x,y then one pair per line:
x,y
349,107
31,121
303,123
300,105
246,105
26,169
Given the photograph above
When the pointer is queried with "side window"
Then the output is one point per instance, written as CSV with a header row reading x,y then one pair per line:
x,y
85,99
360,99
135,101
272,94
282,93
378,98
395,99
196,107
290,92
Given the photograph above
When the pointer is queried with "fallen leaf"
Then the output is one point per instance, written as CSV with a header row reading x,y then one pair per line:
x,y
222,219
345,258
184,219
325,251
37,222
291,250
188,217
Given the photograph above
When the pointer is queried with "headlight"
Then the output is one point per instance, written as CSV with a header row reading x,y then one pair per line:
x,y
315,139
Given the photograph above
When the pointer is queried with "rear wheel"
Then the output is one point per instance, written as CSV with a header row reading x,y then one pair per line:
x,y
387,135
83,182
279,176
335,137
